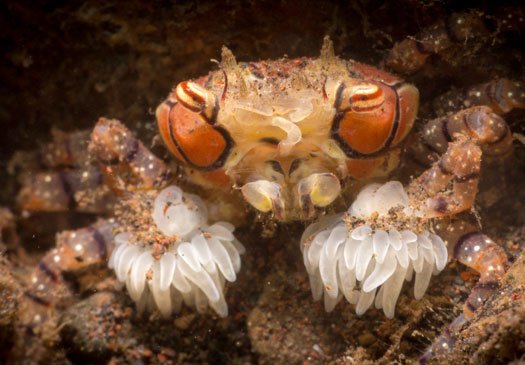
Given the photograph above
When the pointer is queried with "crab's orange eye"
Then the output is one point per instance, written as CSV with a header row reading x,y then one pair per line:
x,y
186,124
372,117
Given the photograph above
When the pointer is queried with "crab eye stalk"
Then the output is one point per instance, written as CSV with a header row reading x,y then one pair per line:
x,y
187,124
361,98
370,118
197,99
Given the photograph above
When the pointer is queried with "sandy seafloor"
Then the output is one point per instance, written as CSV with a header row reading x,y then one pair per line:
x,y
65,63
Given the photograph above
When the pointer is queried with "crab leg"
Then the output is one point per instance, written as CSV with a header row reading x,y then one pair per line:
x,y
477,124
123,156
411,54
482,254
501,95
74,250
451,184
48,288
61,190
60,176
478,252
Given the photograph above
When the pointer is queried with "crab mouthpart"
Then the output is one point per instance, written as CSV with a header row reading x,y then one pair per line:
x,y
293,134
317,190
265,196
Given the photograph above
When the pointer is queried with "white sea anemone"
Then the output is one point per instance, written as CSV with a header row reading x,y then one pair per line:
x,y
366,254
193,264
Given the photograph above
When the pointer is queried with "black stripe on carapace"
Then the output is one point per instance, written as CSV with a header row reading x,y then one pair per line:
x,y
397,116
214,113
220,160
100,241
213,117
68,190
270,140
36,298
463,239
42,266
172,136
339,115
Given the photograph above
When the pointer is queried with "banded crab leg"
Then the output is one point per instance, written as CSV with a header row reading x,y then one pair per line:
x,y
411,54
124,159
480,253
501,95
58,176
450,184
63,190
75,251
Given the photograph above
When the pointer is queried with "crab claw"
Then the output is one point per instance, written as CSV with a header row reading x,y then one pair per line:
x,y
197,99
317,190
265,195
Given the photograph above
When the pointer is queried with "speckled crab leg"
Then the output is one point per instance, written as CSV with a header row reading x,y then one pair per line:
x,y
501,95
54,176
124,159
411,54
450,185
478,252
75,250
61,191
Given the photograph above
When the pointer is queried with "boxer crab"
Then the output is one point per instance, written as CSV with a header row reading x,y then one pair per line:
x,y
294,138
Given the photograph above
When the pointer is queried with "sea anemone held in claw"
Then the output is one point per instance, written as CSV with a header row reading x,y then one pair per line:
x,y
368,252
194,265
